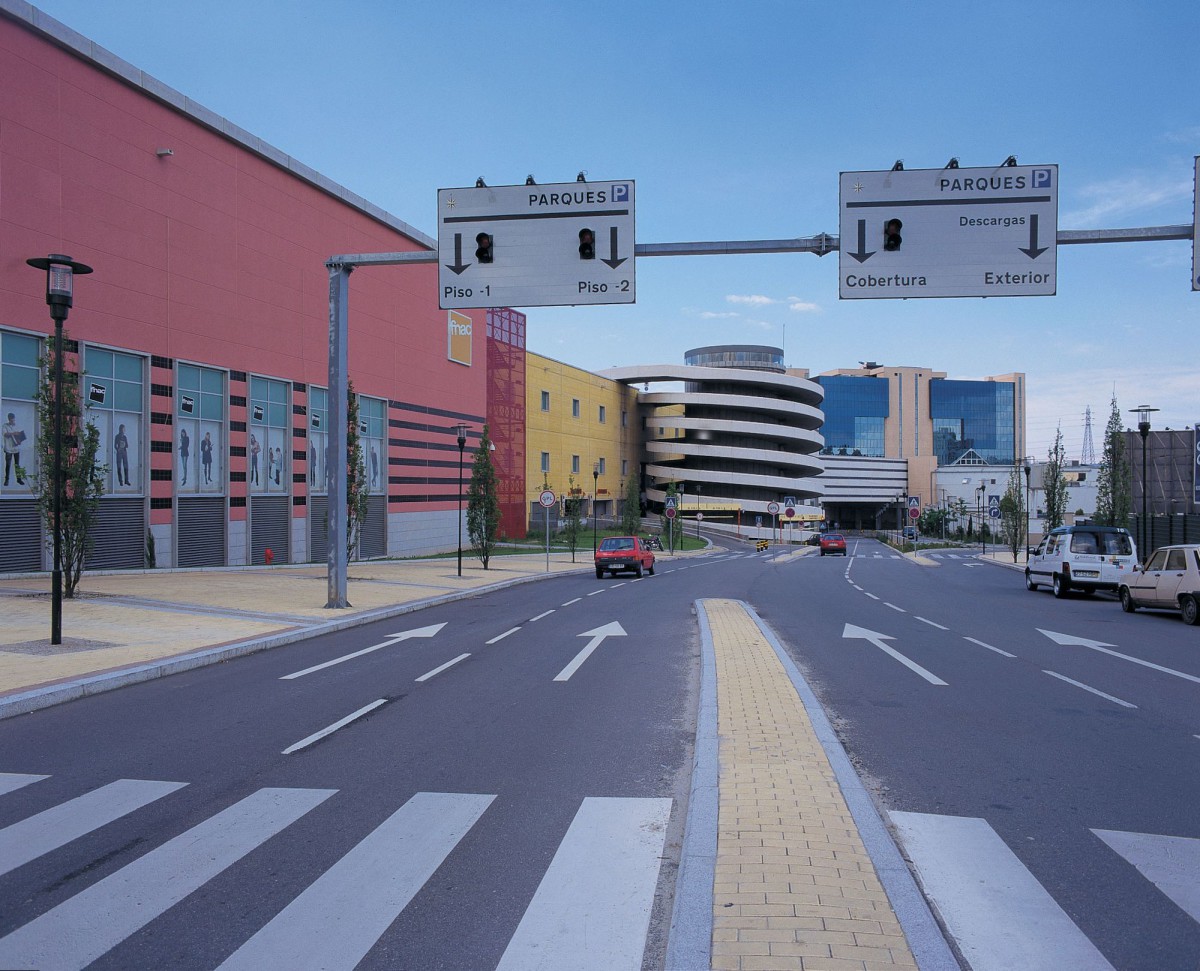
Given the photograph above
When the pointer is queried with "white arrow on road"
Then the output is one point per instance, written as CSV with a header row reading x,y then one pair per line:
x,y
392,639
1070,640
877,639
597,636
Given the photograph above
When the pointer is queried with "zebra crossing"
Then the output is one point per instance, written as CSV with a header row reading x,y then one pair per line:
x,y
593,904
1000,915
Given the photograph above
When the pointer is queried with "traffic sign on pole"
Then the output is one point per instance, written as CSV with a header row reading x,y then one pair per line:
x,y
551,245
979,232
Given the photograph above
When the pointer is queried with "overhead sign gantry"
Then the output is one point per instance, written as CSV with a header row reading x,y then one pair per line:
x,y
561,244
952,232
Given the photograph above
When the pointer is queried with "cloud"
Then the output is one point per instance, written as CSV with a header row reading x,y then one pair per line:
x,y
754,299
803,306
710,315
1116,198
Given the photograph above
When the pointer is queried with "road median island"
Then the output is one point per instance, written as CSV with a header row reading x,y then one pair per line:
x,y
793,878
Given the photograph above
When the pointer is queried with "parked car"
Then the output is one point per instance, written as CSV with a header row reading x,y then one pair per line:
x,y
1170,580
1087,558
623,553
833,543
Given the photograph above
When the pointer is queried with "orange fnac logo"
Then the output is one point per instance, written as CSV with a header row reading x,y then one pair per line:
x,y
458,333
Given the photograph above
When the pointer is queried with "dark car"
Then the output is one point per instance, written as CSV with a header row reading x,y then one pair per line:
x,y
624,553
833,543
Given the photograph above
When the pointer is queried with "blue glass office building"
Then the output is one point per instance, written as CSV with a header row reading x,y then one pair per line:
x,y
977,416
856,410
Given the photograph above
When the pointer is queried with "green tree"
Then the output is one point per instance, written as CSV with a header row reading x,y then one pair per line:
x,y
933,521
631,513
82,482
1013,518
483,501
672,529
573,516
1054,484
356,474
1114,491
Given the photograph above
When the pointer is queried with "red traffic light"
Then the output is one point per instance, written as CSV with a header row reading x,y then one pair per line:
x,y
587,244
483,251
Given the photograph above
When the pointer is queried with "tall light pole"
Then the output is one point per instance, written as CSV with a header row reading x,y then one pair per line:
x,y
981,492
595,488
699,512
461,430
1143,430
1028,467
60,272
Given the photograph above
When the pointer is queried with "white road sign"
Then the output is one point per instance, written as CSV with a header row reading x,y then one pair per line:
x,y
547,498
979,232
536,245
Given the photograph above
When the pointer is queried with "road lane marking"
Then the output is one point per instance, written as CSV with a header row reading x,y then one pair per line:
x,y
500,637
59,825
11,781
878,639
317,736
994,908
855,585
597,636
1095,691
595,593
392,639
545,613
592,909
1069,640
338,919
894,607
931,623
871,595
442,667
121,904
569,602
988,646
1171,863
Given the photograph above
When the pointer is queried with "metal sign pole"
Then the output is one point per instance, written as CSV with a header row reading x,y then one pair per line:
x,y
335,465
547,511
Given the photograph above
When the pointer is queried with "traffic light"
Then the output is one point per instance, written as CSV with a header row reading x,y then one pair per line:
x,y
483,251
587,244
891,234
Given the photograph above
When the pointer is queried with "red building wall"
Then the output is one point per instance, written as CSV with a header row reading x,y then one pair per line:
x,y
215,255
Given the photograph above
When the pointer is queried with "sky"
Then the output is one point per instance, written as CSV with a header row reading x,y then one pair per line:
x,y
735,119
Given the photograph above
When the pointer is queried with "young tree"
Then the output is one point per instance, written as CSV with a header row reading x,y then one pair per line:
x,y
483,502
356,474
672,529
1013,519
572,516
82,481
1055,484
631,514
1114,491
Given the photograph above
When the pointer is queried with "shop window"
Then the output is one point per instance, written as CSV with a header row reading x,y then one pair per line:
x,y
200,429
19,374
113,394
318,438
268,447
372,425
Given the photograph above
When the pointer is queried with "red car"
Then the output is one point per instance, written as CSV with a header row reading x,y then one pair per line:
x,y
624,553
833,543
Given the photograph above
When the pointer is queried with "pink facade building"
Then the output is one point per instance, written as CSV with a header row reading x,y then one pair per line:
x,y
202,335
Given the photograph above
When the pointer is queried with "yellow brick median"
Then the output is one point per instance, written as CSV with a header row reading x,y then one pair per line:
x,y
794,887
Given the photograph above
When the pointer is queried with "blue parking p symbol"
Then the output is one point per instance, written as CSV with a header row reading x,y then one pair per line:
x,y
1041,178
620,193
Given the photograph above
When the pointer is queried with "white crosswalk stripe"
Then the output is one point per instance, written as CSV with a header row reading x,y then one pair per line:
x,y
591,911
1171,863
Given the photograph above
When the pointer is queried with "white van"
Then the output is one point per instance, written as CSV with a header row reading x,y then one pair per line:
x,y
1086,558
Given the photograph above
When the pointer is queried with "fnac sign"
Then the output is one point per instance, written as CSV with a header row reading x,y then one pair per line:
x,y
458,337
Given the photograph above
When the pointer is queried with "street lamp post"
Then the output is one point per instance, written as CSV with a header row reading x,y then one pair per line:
x,y
1028,470
981,493
60,271
461,430
699,512
1144,430
595,488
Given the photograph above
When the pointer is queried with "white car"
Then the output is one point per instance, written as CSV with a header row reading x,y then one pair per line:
x,y
1170,580
1086,558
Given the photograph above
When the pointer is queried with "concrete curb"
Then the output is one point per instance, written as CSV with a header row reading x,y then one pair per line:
x,y
925,938
45,696
689,943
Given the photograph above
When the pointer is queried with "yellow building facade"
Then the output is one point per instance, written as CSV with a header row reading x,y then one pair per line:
x,y
582,432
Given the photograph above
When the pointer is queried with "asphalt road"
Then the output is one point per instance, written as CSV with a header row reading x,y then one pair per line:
x,y
526,739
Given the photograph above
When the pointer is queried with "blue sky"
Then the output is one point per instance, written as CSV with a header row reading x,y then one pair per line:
x,y
735,120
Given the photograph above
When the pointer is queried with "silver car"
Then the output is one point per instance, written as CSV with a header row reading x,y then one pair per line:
x,y
1170,580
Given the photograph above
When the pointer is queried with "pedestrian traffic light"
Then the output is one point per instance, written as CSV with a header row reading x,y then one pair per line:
x,y
891,234
587,244
483,251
